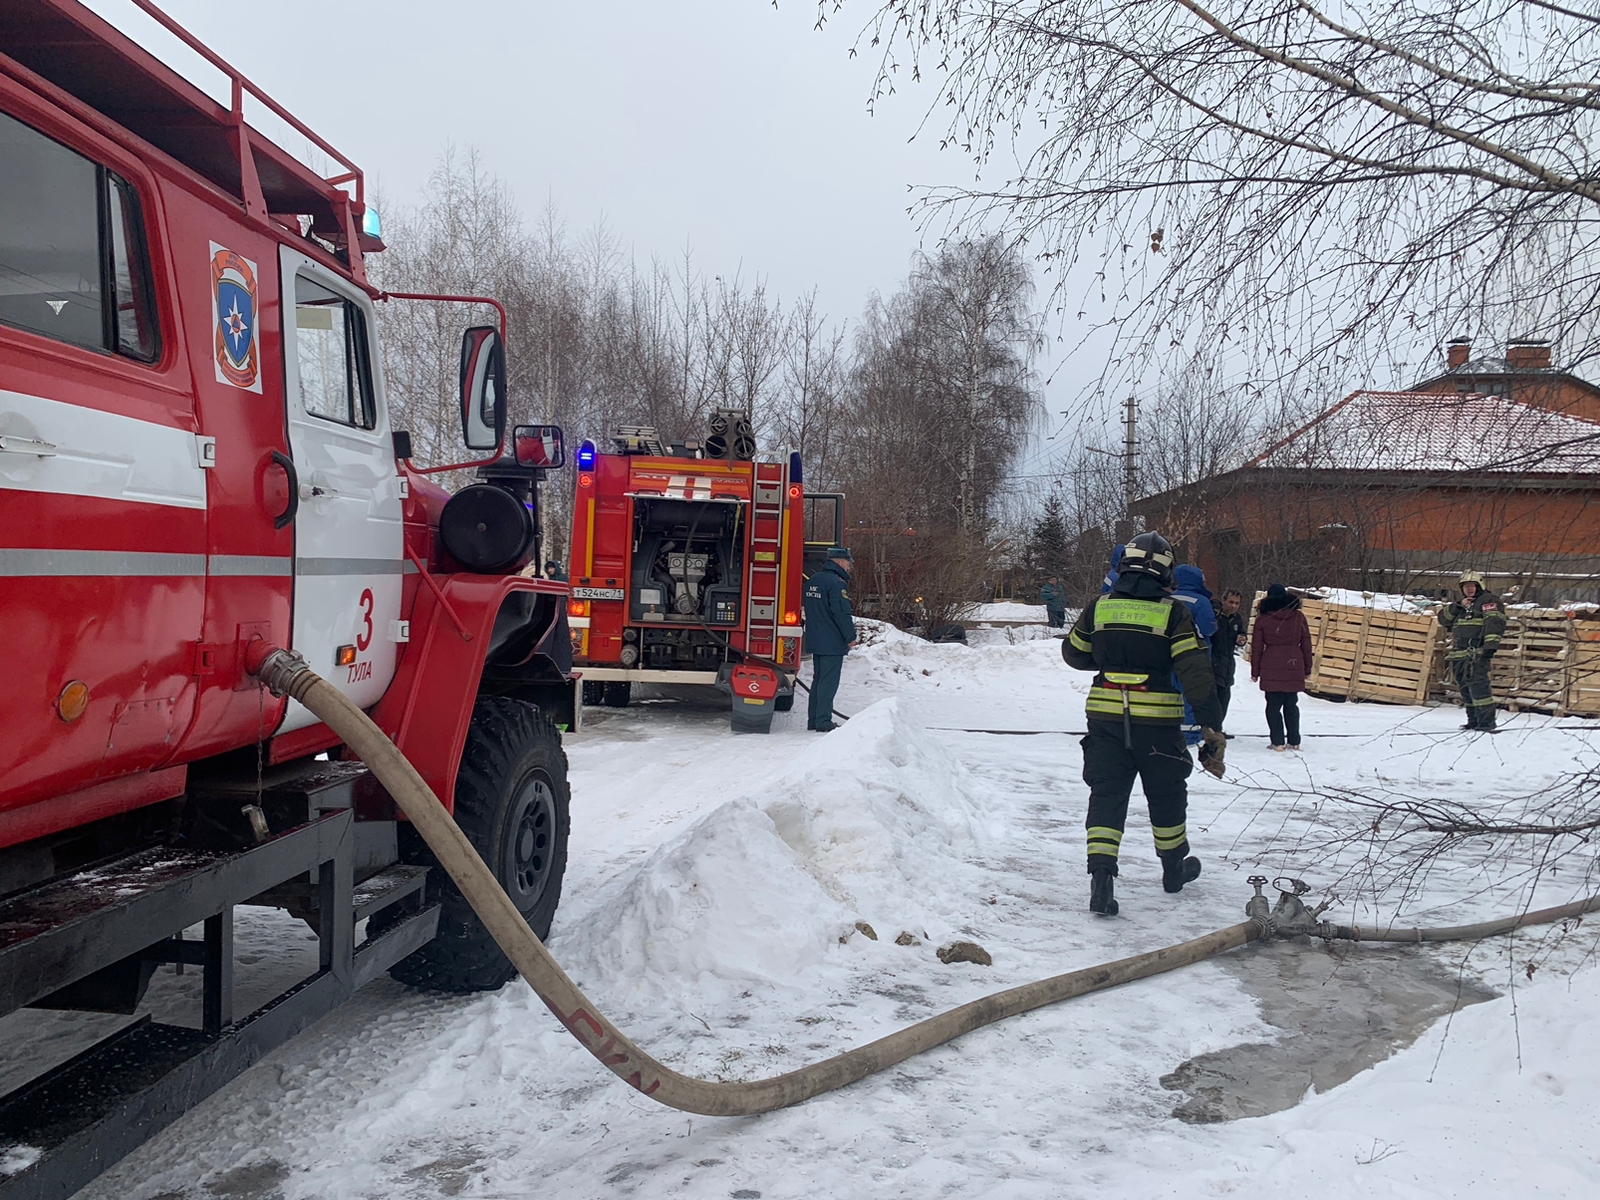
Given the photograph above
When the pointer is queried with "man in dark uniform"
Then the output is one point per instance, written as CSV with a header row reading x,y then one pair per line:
x,y
1475,622
1137,639
830,633
1054,598
1225,643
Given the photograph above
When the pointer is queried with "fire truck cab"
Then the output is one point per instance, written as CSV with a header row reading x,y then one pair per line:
x,y
197,462
687,568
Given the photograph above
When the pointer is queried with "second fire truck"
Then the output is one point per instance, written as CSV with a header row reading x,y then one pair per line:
x,y
686,568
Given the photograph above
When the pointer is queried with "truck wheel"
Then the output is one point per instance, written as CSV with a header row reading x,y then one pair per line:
x,y
783,702
593,692
618,693
512,803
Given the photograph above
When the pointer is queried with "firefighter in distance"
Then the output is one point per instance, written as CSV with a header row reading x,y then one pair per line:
x,y
1136,639
1476,622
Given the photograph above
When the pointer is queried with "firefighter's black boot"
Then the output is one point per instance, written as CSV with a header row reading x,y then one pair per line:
x,y
1102,900
1177,871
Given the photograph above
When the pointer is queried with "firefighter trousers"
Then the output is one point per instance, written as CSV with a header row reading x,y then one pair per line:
x,y
1472,678
1161,763
825,670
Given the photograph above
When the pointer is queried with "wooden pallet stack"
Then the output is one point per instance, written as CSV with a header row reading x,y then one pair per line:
x,y
1370,653
1549,658
1583,666
1549,661
1530,670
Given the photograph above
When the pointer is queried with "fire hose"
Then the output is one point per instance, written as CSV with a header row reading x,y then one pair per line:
x,y
286,673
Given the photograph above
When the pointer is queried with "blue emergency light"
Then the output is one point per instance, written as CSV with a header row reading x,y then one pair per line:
x,y
585,455
372,224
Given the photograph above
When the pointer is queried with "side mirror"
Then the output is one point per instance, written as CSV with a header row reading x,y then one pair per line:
x,y
539,446
483,388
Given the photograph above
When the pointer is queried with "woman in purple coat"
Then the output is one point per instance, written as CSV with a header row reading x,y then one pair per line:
x,y
1280,660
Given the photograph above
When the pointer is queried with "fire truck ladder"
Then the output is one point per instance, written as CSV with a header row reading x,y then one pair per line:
x,y
766,559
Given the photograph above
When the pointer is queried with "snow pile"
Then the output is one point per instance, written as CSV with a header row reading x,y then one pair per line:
x,y
876,822
1004,610
1010,635
881,633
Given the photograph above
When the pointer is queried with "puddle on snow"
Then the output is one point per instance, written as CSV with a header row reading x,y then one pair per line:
x,y
1340,1009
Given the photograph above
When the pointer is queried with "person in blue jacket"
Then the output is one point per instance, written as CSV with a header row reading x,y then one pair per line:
x,y
830,633
1189,586
1110,581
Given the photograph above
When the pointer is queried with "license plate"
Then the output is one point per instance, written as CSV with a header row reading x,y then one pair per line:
x,y
594,593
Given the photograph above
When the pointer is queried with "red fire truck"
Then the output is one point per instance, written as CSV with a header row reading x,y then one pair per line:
x,y
687,568
197,461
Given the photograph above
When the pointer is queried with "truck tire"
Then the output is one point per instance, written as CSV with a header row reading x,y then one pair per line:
x,y
594,692
783,702
618,693
512,803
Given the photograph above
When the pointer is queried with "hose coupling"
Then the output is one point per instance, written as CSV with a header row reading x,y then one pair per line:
x,y
279,669
1289,917
1292,918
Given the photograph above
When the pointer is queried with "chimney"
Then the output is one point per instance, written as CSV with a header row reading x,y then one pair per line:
x,y
1528,354
1456,353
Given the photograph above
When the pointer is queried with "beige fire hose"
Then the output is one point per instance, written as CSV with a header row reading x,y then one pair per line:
x,y
287,674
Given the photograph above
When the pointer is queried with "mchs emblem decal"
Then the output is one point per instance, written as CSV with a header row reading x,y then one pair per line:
x,y
233,317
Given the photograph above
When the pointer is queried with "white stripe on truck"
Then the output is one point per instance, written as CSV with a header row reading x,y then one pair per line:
x,y
97,454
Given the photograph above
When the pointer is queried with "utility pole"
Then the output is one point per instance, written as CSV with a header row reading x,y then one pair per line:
x,y
1130,457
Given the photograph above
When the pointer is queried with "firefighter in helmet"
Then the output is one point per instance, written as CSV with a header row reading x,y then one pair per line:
x,y
1475,622
1137,639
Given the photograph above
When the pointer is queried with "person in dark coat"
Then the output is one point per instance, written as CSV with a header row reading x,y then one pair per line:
x,y
1280,661
1054,598
830,633
1225,643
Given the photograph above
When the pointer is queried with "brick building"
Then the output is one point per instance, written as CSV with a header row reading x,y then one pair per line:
x,y
1523,375
1493,464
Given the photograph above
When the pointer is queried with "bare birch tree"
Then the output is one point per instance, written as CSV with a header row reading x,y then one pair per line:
x,y
941,396
1284,187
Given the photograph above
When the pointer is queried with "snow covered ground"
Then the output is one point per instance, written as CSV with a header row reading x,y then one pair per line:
x,y
1007,611
711,904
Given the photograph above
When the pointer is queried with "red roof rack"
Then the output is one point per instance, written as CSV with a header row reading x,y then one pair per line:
x,y
67,45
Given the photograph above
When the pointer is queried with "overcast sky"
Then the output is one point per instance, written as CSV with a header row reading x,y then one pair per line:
x,y
725,125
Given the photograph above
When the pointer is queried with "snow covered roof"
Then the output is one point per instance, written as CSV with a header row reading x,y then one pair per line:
x,y
1416,431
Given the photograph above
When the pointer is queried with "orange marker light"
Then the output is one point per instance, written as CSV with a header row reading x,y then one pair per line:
x,y
73,701
790,618
794,491
585,480
344,656
577,608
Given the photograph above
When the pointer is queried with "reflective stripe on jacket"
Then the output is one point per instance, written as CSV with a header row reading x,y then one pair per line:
x,y
1136,644
1475,624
